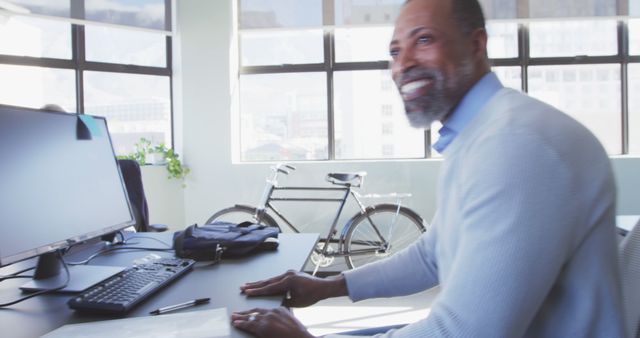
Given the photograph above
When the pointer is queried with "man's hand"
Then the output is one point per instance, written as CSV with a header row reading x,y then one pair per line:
x,y
274,323
300,288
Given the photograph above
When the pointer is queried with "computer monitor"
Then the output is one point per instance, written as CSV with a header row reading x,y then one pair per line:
x,y
59,185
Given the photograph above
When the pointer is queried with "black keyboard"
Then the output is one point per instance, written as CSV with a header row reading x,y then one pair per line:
x,y
121,292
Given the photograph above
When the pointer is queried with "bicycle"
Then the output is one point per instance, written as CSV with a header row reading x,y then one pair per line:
x,y
373,233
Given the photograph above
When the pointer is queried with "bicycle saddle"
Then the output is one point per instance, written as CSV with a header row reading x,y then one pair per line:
x,y
346,178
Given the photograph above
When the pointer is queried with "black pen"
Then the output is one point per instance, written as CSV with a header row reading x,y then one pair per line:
x,y
180,306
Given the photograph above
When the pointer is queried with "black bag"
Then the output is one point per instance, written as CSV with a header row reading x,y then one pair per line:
x,y
224,239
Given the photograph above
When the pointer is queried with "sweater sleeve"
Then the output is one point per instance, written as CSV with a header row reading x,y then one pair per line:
x,y
409,271
517,220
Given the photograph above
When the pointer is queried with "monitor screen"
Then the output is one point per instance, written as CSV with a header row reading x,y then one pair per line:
x,y
59,182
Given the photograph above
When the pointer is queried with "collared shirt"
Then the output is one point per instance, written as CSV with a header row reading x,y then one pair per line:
x,y
467,109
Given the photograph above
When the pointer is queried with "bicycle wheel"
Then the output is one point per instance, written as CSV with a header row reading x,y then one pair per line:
x,y
380,232
242,213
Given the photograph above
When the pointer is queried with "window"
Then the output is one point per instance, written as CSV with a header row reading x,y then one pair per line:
x,y
307,104
113,71
568,55
286,118
358,130
135,106
26,36
34,87
125,46
503,40
634,108
362,44
634,36
597,108
510,76
276,48
572,38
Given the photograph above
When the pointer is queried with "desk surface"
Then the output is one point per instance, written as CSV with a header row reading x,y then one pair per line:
x,y
627,222
220,282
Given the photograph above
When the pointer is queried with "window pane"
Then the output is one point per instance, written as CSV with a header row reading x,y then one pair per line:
x,y
283,117
353,12
135,106
145,14
364,128
125,46
499,9
280,13
24,36
634,36
503,40
45,7
634,109
509,76
281,47
363,44
589,93
571,38
35,87
571,8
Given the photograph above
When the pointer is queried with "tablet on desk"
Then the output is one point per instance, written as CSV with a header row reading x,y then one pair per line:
x,y
190,324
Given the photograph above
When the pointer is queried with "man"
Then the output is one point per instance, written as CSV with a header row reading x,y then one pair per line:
x,y
523,240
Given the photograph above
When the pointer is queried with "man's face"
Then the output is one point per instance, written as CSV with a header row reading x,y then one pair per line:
x,y
432,61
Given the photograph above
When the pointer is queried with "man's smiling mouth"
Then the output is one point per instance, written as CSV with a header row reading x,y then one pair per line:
x,y
414,89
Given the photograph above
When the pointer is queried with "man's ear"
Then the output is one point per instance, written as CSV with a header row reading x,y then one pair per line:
x,y
479,43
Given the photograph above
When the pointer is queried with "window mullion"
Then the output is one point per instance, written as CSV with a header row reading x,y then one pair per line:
x,y
329,57
623,54
328,19
78,43
523,52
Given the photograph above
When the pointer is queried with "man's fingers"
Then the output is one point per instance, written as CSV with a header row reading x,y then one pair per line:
x,y
262,283
274,288
248,320
251,326
245,314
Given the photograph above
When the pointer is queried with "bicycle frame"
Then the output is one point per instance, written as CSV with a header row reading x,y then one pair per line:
x,y
347,189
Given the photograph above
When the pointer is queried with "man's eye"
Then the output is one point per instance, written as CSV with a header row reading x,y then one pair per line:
x,y
393,53
424,40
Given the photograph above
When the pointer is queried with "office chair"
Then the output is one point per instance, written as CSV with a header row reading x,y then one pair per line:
x,y
629,252
132,176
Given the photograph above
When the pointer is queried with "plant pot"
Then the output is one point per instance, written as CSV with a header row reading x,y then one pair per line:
x,y
156,158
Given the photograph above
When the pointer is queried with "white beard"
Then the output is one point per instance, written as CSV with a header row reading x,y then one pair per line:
x,y
441,99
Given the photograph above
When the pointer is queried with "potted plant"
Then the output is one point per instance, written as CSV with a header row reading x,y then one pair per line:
x,y
146,153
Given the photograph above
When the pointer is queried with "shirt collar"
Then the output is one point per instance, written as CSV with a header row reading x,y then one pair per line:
x,y
467,109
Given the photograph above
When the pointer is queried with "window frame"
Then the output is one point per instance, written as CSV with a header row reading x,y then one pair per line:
x,y
79,64
522,60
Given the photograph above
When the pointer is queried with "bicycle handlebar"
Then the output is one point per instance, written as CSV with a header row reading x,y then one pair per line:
x,y
282,171
279,168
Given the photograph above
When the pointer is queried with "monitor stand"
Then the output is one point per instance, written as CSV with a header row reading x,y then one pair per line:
x,y
50,274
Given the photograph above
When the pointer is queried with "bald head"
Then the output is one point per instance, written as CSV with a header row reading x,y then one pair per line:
x,y
467,13
439,52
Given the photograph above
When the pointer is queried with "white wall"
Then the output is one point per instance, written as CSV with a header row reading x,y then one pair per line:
x,y
164,197
204,43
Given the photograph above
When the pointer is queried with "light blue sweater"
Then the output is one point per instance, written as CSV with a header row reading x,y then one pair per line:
x,y
523,240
